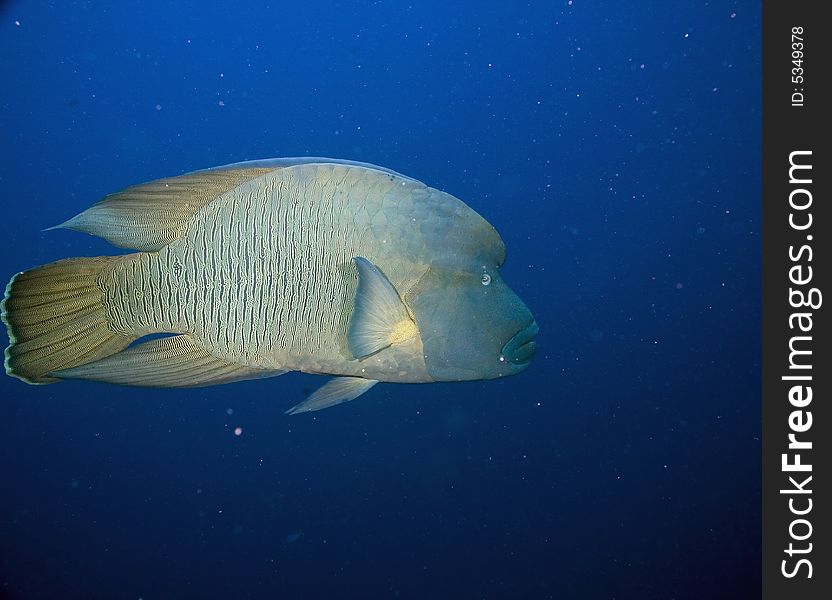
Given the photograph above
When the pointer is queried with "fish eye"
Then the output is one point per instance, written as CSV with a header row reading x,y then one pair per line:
x,y
485,279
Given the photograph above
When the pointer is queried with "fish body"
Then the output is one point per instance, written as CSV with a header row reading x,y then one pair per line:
x,y
260,268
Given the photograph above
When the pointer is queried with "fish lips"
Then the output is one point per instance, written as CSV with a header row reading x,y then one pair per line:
x,y
520,349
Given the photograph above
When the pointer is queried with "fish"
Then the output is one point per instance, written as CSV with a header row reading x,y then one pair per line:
x,y
255,269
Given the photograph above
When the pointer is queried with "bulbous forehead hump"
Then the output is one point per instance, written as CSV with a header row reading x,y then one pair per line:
x,y
423,223
452,231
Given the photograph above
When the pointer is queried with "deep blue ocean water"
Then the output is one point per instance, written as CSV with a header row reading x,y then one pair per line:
x,y
614,145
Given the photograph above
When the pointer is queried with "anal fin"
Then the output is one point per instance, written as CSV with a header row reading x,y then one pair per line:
x,y
174,361
335,391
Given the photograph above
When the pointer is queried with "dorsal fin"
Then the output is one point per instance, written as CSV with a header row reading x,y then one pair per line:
x,y
151,215
296,161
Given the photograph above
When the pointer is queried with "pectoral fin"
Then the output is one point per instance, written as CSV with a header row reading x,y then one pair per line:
x,y
167,362
336,391
380,317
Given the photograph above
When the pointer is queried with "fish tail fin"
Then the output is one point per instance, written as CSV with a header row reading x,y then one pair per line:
x,y
56,319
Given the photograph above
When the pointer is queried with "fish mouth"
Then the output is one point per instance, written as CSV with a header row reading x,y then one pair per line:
x,y
520,349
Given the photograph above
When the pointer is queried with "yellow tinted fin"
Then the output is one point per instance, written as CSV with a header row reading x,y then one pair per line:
x,y
56,319
335,391
380,318
151,215
174,361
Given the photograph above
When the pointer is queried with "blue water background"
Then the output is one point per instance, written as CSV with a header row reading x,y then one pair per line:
x,y
614,145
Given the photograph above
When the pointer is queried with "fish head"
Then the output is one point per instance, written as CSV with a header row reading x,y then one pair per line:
x,y
472,324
